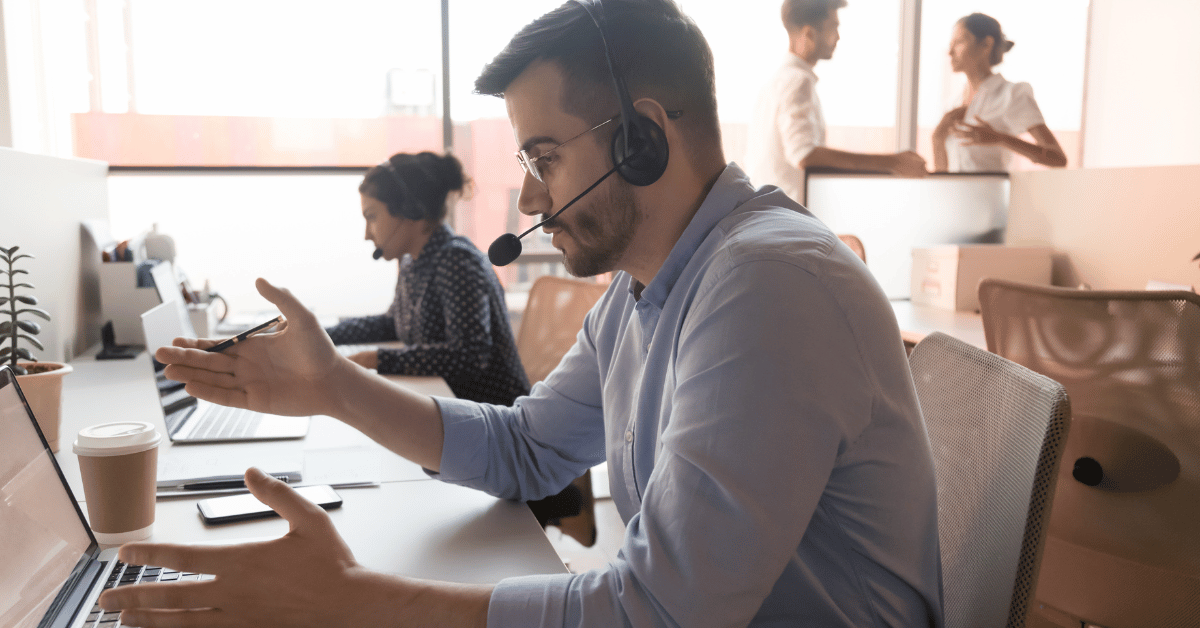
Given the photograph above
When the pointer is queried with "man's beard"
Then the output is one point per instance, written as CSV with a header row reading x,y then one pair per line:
x,y
602,231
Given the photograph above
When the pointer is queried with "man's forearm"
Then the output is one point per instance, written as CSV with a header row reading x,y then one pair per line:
x,y
405,422
825,157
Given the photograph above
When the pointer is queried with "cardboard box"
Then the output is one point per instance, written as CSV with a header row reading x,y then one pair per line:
x,y
948,276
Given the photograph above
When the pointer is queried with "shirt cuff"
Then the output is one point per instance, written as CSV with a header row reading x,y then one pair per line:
x,y
529,601
463,434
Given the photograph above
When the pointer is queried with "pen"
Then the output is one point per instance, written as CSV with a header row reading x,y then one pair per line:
x,y
215,485
225,344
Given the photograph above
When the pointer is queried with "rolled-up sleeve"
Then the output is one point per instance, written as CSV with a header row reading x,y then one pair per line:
x,y
797,120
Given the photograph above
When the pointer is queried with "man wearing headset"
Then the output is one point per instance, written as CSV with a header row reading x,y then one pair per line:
x,y
743,375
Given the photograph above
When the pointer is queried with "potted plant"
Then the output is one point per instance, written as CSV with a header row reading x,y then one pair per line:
x,y
40,381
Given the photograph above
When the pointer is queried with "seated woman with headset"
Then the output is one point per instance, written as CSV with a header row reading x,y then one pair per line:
x,y
449,308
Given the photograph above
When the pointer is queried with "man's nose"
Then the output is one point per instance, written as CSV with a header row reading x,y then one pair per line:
x,y
534,199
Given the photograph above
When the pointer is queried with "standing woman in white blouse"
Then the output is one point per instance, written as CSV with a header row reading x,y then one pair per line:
x,y
982,134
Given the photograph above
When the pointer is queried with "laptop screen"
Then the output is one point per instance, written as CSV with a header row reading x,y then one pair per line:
x,y
43,537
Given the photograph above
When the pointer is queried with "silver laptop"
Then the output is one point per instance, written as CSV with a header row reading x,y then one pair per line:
x,y
53,568
191,420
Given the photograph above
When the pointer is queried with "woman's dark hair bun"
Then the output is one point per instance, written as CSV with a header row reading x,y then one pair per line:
x,y
415,186
1008,45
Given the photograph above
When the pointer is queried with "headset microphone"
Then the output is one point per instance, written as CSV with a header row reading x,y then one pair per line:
x,y
507,247
377,254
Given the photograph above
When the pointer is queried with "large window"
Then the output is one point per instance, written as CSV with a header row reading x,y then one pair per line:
x,y
857,86
261,83
307,84
1051,40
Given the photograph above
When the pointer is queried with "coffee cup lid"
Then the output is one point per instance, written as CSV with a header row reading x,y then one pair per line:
x,y
116,439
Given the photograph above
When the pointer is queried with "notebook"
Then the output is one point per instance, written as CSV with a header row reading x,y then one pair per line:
x,y
53,568
191,420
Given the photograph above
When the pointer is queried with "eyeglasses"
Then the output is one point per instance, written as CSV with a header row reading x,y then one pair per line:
x,y
530,164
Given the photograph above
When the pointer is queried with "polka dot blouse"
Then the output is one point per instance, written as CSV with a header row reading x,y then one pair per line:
x,y
450,313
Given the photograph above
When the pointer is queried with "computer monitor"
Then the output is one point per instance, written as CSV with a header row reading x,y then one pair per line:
x,y
892,215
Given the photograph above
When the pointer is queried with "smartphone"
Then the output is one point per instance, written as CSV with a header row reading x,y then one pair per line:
x,y
247,506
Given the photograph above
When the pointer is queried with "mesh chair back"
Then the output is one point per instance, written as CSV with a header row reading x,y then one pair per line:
x,y
553,317
1124,544
997,431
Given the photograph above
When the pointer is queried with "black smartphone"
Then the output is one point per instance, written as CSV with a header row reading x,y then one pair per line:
x,y
247,506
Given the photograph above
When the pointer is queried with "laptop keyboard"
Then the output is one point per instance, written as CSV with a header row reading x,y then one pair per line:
x,y
123,575
225,423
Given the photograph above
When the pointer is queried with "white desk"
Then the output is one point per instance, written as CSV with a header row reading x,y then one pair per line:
x,y
916,321
410,524
111,390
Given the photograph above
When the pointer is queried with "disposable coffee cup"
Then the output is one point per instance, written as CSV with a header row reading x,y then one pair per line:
x,y
119,465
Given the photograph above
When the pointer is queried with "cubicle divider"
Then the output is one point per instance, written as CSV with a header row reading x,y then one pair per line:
x,y
1111,228
43,204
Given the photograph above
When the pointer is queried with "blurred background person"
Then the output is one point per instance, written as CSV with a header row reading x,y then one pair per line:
x,y
787,132
449,308
982,134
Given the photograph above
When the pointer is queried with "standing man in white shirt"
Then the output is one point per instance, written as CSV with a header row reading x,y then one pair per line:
x,y
787,133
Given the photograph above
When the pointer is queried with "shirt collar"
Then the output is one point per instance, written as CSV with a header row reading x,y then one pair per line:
x,y
731,190
796,61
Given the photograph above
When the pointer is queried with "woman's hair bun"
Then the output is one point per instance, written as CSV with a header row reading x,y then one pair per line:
x,y
450,172
1008,45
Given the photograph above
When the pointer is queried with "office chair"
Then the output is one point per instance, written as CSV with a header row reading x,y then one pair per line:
x,y
855,245
553,317
997,431
1124,542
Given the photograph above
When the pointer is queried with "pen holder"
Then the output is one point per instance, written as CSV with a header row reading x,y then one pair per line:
x,y
204,319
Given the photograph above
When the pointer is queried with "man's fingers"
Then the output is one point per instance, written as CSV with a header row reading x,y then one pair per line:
x,y
232,397
188,558
188,375
194,343
208,618
175,595
281,498
220,362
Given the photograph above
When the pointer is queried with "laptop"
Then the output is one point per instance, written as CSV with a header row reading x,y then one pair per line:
x,y
192,420
53,568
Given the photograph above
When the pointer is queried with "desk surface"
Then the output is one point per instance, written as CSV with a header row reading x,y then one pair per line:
x,y
425,529
916,321
409,524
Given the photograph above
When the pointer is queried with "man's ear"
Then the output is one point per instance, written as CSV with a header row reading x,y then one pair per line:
x,y
652,109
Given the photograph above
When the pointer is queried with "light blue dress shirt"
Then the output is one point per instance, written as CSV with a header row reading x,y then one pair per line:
x,y
763,438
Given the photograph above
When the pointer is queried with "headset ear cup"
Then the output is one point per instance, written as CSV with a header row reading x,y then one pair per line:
x,y
647,156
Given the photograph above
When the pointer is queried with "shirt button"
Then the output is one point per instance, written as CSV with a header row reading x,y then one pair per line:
x,y
629,436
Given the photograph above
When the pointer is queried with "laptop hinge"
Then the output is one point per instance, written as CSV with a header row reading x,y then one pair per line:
x,y
72,596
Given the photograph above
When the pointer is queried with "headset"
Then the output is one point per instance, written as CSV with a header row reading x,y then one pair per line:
x,y
409,206
639,146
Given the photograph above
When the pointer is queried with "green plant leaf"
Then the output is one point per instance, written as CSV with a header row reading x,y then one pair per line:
x,y
12,250
33,341
28,326
23,255
27,299
5,352
33,310
23,285
3,300
5,327
24,354
14,273
19,370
